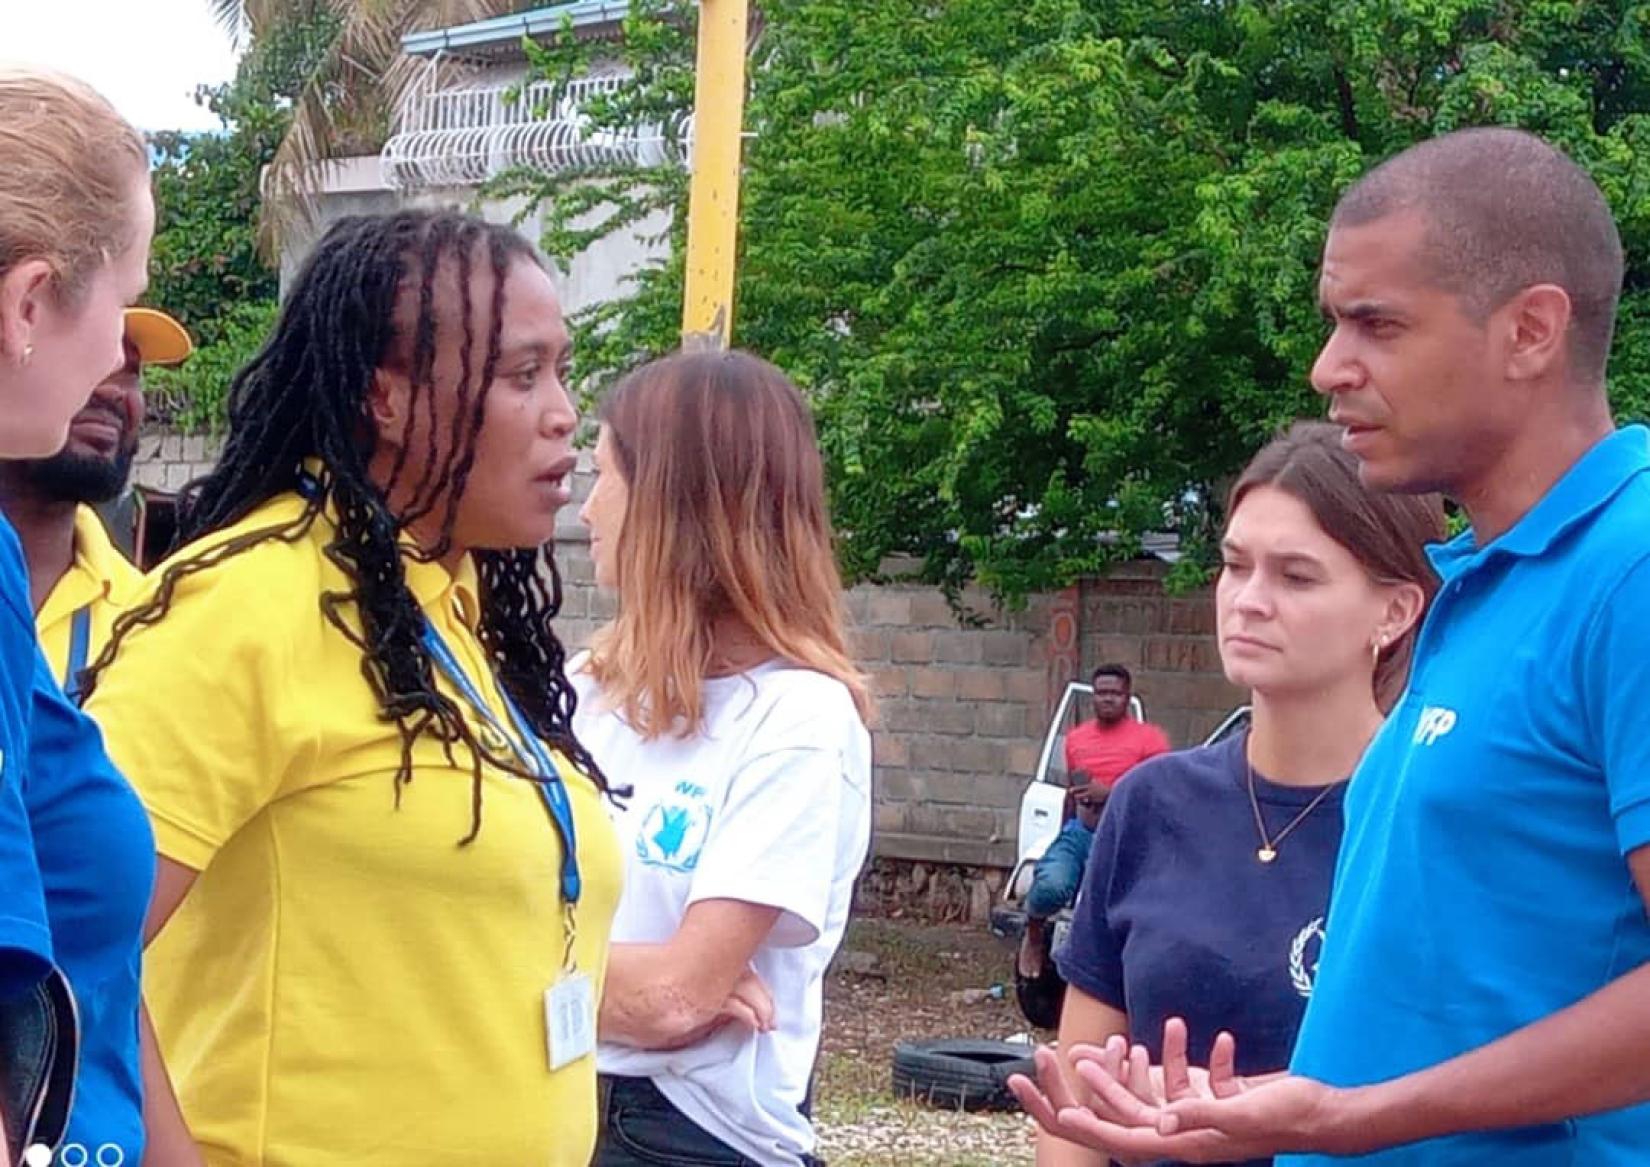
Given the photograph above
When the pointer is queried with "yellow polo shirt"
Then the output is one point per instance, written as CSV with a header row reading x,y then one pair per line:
x,y
101,579
344,983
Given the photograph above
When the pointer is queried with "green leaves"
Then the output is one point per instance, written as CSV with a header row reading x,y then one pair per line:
x,y
194,395
1047,267
205,266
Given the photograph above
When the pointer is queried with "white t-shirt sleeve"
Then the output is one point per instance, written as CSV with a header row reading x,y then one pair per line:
x,y
777,838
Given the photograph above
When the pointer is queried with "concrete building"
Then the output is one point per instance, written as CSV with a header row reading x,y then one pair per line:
x,y
471,117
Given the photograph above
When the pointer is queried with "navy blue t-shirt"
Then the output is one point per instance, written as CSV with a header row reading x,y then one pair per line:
x,y
1177,916
25,940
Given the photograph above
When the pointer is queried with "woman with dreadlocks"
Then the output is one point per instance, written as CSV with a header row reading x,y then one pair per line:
x,y
386,877
723,690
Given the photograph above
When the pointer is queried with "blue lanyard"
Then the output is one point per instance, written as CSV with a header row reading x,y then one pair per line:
x,y
80,645
538,758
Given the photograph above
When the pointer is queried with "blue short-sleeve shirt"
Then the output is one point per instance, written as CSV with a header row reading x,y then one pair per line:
x,y
97,863
1482,883
25,939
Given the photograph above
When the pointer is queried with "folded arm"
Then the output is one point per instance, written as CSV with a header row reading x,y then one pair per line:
x,y
664,996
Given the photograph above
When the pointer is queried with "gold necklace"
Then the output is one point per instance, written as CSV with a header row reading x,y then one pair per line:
x,y
1269,846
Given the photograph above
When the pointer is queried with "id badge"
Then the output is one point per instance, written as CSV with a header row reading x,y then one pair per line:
x,y
570,1019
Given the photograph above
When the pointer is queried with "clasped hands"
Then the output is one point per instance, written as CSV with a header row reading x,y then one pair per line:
x,y
1111,1099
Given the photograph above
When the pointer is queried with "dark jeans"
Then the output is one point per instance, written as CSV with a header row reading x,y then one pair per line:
x,y
640,1128
1059,873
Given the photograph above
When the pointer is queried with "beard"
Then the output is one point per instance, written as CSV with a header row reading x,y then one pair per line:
x,y
79,478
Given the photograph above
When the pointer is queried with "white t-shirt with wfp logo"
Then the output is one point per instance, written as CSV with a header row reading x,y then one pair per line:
x,y
769,804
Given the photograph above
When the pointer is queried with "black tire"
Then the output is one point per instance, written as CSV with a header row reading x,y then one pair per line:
x,y
960,1073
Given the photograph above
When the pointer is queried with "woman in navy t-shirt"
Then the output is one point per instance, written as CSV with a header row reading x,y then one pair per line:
x,y
1208,883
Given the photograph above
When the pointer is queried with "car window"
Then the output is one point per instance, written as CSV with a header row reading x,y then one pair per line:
x,y
1076,709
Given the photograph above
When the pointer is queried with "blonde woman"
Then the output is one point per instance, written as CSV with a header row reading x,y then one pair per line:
x,y
76,855
723,694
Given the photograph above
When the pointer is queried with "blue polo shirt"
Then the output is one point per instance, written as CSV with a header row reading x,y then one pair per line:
x,y
25,940
97,863
1482,882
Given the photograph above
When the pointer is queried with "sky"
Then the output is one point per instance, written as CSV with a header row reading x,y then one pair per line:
x,y
145,56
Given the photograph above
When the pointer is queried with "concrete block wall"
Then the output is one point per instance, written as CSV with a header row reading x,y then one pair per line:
x,y
167,461
962,706
1166,642
960,719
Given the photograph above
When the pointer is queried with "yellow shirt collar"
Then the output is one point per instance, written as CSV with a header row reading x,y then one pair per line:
x,y
99,572
432,585
95,552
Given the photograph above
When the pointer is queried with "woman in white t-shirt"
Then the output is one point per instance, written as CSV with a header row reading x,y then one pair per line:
x,y
722,692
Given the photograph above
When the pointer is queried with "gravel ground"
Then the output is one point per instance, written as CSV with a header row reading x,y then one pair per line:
x,y
907,991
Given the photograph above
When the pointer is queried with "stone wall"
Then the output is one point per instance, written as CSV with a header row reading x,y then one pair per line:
x,y
962,707
965,710
166,461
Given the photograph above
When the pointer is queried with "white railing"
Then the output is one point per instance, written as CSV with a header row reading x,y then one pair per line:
x,y
464,136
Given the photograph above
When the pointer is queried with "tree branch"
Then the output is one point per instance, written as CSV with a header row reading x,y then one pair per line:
x,y
1349,107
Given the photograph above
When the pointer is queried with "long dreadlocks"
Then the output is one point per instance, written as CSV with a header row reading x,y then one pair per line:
x,y
305,396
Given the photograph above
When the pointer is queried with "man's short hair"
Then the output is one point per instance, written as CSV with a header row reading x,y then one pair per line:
x,y
1117,671
1505,210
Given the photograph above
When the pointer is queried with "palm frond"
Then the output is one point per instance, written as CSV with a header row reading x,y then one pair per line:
x,y
350,100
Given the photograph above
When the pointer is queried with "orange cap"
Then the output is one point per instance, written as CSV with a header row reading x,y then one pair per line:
x,y
160,340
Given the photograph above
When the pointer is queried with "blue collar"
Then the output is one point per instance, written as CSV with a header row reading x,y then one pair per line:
x,y
1585,488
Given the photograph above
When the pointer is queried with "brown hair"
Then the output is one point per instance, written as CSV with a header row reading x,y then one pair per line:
x,y
1505,211
1386,533
726,516
68,163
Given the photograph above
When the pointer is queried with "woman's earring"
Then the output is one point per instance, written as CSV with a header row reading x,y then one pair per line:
x,y
28,354
1375,651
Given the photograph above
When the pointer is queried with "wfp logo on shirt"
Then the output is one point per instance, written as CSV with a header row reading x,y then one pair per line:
x,y
674,831
1304,951
1435,722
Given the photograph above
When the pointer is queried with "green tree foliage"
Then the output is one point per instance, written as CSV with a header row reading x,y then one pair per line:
x,y
206,268
1047,267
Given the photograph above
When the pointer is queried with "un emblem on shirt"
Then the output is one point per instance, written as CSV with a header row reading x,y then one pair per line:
x,y
1303,957
674,831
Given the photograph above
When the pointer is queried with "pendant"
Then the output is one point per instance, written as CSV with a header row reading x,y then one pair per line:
x,y
1266,854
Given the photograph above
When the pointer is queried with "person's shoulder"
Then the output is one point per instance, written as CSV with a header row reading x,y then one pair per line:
x,y
1155,734
255,583
593,712
1614,537
96,546
796,690
1609,564
266,550
1177,777
1083,730
782,704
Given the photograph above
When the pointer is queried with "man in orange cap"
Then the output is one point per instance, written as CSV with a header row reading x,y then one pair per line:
x,y
79,581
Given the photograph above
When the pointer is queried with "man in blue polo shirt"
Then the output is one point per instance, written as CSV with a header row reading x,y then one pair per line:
x,y
1483,995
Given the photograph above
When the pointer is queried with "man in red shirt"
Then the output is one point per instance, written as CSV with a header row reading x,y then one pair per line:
x,y
1103,750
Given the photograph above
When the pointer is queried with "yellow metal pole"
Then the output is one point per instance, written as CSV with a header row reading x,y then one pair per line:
x,y
713,197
